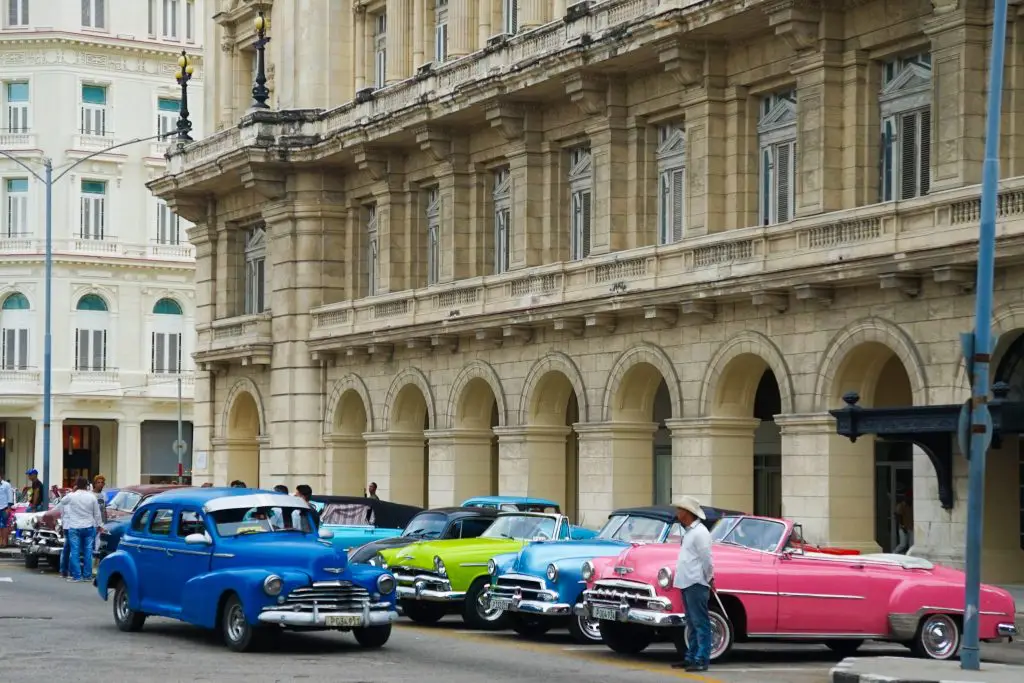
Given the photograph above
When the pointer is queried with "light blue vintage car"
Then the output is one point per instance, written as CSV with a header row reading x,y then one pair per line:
x,y
357,521
245,562
538,587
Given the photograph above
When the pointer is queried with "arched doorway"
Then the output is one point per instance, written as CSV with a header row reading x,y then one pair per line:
x,y
555,448
243,433
409,479
641,405
470,450
346,447
872,477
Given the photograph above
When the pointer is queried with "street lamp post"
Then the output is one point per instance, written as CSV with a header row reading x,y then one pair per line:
x,y
260,92
183,76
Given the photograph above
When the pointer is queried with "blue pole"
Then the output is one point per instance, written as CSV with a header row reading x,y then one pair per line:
x,y
983,346
47,334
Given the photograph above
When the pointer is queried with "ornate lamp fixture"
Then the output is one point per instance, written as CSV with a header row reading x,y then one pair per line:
x,y
183,75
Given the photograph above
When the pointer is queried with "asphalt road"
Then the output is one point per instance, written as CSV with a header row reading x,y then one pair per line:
x,y
53,630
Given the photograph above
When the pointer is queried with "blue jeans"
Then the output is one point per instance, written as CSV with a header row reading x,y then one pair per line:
x,y
80,560
65,553
695,601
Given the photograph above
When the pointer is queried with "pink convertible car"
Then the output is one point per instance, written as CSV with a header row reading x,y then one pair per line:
x,y
772,588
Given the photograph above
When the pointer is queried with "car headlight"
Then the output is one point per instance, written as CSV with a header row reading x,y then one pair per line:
x,y
492,567
665,577
552,572
439,566
272,585
385,584
588,570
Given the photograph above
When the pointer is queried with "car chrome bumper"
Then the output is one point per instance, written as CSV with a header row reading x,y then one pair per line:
x,y
47,550
318,619
420,591
517,604
1006,630
633,615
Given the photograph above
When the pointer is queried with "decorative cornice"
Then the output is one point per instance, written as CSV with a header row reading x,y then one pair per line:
x,y
64,53
115,44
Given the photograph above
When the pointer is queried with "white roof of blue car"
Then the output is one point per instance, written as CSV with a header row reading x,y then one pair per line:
x,y
214,499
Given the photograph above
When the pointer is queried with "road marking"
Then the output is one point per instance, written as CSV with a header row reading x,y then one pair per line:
x,y
595,655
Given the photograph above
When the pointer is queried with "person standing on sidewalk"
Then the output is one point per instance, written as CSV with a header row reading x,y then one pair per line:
x,y
35,497
6,504
695,577
81,516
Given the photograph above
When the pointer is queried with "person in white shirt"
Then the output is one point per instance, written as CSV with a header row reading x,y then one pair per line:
x,y
695,577
7,499
81,517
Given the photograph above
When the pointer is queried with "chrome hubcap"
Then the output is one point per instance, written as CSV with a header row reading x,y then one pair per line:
x,y
236,623
122,605
939,636
485,612
719,635
591,628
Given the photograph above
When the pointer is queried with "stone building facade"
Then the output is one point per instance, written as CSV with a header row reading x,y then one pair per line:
x,y
603,253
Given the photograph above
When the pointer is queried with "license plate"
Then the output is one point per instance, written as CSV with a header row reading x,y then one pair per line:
x,y
500,603
345,621
604,613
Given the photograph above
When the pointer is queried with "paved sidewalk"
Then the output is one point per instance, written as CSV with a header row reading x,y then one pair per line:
x,y
908,670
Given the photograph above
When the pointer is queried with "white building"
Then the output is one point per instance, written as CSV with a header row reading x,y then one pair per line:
x,y
79,77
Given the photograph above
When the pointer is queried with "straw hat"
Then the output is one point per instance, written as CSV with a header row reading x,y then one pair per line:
x,y
690,504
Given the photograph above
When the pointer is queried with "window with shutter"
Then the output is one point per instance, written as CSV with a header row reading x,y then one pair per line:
x,y
99,350
151,8
190,21
671,157
94,110
380,55
93,210
167,111
94,14
255,270
168,225
502,196
776,131
170,19
17,13
906,125
433,236
510,16
82,339
159,353
372,252
17,107
15,348
441,31
17,223
581,197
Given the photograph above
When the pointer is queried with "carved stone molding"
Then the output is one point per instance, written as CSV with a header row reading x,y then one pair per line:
x,y
573,326
191,208
372,161
445,342
268,183
661,316
489,337
227,43
685,63
945,6
520,333
698,309
819,295
588,92
435,141
508,119
601,321
797,22
907,285
777,301
963,278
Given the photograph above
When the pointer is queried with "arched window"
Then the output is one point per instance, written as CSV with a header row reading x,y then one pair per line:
x,y
165,349
15,321
92,319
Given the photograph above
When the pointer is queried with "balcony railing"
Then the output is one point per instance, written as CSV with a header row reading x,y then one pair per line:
x,y
164,250
19,380
107,377
17,141
109,246
830,247
85,142
245,338
165,384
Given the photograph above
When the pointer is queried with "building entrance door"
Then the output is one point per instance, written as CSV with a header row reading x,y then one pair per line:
x,y
894,476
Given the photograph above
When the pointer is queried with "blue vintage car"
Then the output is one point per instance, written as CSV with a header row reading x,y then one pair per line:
x,y
357,521
538,587
245,562
512,504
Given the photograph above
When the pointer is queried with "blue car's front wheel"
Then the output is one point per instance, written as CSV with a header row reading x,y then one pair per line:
x,y
372,637
125,617
239,634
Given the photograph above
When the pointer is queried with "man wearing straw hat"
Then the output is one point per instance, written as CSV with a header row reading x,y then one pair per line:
x,y
695,577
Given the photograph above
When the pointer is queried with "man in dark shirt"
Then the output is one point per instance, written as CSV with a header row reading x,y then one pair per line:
x,y
305,492
35,498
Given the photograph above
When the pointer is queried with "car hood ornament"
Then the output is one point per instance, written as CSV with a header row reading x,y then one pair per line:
x,y
622,571
333,570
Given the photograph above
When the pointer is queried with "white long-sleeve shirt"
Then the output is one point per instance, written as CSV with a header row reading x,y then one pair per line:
x,y
695,565
80,510
6,494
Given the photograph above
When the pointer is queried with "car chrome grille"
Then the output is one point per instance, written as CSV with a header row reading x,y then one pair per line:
x,y
330,596
526,587
520,582
615,593
407,576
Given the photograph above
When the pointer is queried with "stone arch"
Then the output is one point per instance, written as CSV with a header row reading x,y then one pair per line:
x,y
397,399
729,373
108,295
1007,322
537,379
350,382
629,379
866,331
463,393
238,390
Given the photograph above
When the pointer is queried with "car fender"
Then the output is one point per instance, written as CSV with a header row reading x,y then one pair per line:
x,y
504,562
119,563
201,595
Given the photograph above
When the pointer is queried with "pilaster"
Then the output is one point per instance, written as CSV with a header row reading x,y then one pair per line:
x,y
396,267
616,465
641,175
959,74
204,239
1012,153
345,464
713,459
532,13
461,465
225,92
705,164
227,268
740,159
56,450
861,84
360,44
609,147
450,153
461,28
129,451
242,459
820,114
397,462
531,461
519,129
398,39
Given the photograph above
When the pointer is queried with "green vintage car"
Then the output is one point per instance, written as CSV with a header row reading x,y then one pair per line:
x,y
437,577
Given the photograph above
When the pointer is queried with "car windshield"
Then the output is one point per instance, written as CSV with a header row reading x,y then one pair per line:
x,y
523,527
528,507
261,520
634,529
125,500
347,514
427,525
749,532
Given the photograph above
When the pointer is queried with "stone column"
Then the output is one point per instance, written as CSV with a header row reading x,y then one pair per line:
x,y
616,468
398,39
420,29
740,159
861,123
820,114
359,41
397,253
713,459
397,462
129,452
227,273
609,148
526,167
531,461
705,164
345,466
225,91
56,450
641,175
460,465
828,482
461,28
959,38
532,13
454,183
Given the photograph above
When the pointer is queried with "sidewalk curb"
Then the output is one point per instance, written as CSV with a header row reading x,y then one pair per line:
x,y
841,674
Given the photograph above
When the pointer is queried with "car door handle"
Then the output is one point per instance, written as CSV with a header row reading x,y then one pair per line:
x,y
169,552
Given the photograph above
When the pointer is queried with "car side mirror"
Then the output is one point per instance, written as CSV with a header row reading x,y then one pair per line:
x,y
325,534
198,539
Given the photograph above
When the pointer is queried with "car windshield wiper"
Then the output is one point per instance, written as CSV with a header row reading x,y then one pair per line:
x,y
728,542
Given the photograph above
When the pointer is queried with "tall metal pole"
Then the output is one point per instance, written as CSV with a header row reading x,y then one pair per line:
x,y
981,420
181,441
47,330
